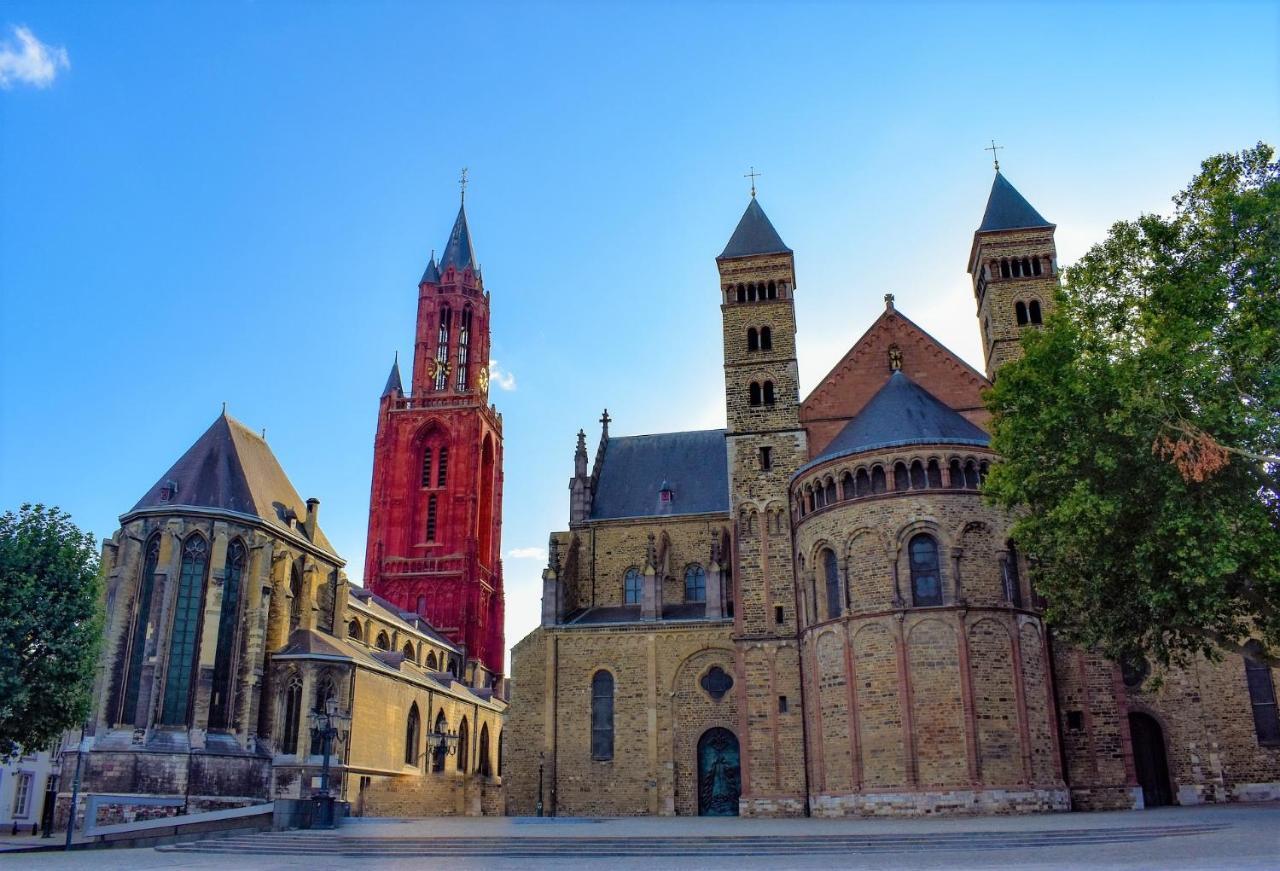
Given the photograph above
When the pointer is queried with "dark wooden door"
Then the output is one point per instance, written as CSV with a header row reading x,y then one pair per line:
x,y
719,776
1149,760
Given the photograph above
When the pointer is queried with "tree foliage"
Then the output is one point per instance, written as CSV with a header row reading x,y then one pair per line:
x,y
1141,428
50,628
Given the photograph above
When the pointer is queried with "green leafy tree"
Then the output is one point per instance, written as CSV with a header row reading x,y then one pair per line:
x,y
50,628
1141,428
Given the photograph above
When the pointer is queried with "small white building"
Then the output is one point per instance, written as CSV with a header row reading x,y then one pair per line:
x,y
23,782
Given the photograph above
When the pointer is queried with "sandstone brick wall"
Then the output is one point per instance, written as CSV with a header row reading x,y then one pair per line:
x,y
1094,731
1001,333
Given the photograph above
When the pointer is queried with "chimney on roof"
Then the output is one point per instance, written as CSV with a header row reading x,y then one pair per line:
x,y
313,511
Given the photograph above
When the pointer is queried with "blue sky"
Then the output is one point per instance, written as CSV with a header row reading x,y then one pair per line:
x,y
233,202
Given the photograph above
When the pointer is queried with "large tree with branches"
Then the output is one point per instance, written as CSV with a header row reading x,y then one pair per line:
x,y
1140,430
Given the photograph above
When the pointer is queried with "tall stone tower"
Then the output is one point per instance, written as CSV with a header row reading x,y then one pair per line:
x,y
766,444
1014,264
435,512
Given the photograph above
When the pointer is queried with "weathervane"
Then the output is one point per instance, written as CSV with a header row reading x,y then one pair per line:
x,y
994,155
753,175
462,183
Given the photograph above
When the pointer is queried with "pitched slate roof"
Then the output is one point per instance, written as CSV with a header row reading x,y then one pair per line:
x,y
231,468
390,612
393,380
459,252
1009,210
901,413
634,468
754,235
430,275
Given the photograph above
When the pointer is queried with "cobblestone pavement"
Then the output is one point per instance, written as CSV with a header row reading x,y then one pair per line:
x,y
1235,837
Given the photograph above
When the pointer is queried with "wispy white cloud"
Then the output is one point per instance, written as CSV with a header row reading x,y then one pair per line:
x,y
500,377
526,553
29,61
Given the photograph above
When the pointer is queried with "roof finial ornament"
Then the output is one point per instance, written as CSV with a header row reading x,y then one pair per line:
x,y
462,183
995,156
753,175
888,302
224,408
604,423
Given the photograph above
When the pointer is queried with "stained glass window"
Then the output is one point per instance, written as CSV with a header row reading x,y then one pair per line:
x,y
695,584
182,637
223,679
602,715
633,585
926,583
138,645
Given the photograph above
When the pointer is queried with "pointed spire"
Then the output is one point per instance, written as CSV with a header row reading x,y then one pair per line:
x,y
432,273
754,235
1008,210
459,252
394,386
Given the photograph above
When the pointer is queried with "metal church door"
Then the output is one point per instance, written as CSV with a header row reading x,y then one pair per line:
x,y
719,779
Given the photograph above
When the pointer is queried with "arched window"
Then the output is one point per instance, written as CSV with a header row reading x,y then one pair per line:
x,y
223,678
971,475
1004,268
1012,583
1020,311
983,468
486,767
411,729
768,393
935,474
602,715
1017,267
1033,311
862,483
901,481
1262,695
442,349
139,636
695,584
831,491
295,596
819,496
632,587
766,339
464,341
433,514
957,475
847,490
353,630
1035,265
808,493
742,293
918,481
877,479
183,638
437,759
383,642
408,652
432,665
464,735
1026,266
753,394
753,339
926,583
292,715
751,292
831,570
426,466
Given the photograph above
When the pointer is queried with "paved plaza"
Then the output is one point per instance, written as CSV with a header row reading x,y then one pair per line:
x,y
1236,837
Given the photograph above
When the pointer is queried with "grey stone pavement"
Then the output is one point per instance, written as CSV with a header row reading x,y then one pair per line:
x,y
1223,837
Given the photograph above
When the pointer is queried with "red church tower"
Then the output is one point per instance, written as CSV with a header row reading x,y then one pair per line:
x,y
435,512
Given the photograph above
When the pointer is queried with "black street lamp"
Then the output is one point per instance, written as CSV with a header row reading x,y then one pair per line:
x,y
440,745
326,725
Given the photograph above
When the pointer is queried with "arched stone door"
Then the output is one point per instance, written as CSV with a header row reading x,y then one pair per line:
x,y
1149,760
719,775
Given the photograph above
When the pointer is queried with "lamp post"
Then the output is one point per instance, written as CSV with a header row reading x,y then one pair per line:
x,y
441,744
326,726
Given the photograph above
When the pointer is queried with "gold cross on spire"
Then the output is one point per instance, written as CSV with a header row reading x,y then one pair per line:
x,y
753,175
462,183
994,149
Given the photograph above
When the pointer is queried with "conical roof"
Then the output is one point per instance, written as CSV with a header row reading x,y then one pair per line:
x,y
459,252
1009,210
231,468
754,235
394,384
431,275
902,413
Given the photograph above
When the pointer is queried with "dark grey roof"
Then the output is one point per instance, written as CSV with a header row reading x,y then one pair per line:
x,y
417,621
230,467
754,235
631,614
393,380
1008,210
459,252
901,413
431,275
694,464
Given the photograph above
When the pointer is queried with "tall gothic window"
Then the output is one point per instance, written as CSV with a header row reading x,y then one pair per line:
x,y
463,749
464,341
442,349
295,600
138,642
486,766
442,467
1262,695
383,642
831,568
292,715
695,584
426,466
431,517
183,636
602,715
1012,583
223,679
411,728
632,585
926,582
437,758
431,661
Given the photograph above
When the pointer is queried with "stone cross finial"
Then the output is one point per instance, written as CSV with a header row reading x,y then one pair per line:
x,y
895,358
888,302
604,423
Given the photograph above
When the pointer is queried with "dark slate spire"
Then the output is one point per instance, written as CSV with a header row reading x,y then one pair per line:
x,y
1008,210
394,385
432,273
459,252
754,235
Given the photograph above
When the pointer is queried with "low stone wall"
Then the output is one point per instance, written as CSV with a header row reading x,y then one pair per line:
x,y
431,795
941,803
